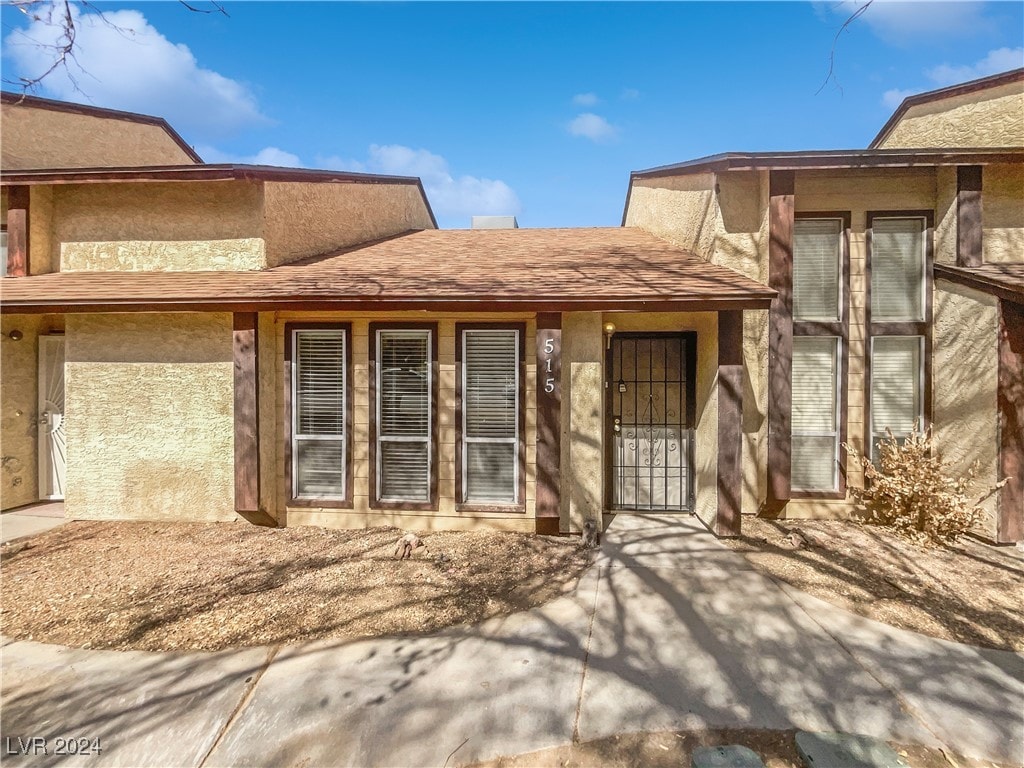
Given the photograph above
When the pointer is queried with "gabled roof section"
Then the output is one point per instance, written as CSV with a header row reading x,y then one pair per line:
x,y
594,269
973,86
19,99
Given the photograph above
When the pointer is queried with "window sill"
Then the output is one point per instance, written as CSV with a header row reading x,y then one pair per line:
x,y
320,503
468,507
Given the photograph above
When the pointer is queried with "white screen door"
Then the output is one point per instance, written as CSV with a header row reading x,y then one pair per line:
x,y
52,443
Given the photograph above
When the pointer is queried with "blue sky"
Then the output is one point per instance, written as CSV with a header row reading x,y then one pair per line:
x,y
534,109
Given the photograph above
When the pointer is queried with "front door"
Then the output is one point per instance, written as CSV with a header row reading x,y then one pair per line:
x,y
52,456
651,403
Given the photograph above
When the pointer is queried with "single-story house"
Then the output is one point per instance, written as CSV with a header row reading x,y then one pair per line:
x,y
210,342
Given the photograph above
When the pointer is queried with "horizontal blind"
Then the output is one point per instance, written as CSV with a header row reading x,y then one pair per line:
x,y
814,384
318,448
403,415
897,269
815,443
816,258
490,415
896,400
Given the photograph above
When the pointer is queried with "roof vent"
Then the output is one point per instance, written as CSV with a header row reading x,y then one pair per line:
x,y
495,222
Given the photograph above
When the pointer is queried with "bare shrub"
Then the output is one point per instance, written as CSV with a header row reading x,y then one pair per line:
x,y
912,492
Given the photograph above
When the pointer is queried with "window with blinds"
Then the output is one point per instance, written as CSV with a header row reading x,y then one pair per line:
x,y
404,418
490,416
815,419
318,413
897,381
817,255
897,269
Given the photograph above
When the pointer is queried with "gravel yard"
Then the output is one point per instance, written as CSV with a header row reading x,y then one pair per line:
x,y
970,593
194,586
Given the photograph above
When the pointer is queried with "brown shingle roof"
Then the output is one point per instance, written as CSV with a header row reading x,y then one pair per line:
x,y
1003,280
529,269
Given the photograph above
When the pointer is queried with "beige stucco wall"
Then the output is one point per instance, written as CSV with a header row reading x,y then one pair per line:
x,y
46,138
160,226
303,219
446,517
680,209
583,350
149,413
1002,212
945,215
19,365
966,373
990,118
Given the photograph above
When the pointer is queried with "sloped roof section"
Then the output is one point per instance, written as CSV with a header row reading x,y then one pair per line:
x,y
483,270
80,134
1003,280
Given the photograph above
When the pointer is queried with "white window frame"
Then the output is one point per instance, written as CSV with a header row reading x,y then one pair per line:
x,y
296,438
923,298
466,440
428,333
841,297
919,420
837,415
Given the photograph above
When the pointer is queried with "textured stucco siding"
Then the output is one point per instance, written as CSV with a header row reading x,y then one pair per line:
x,y
46,138
966,375
583,349
446,517
1002,202
303,219
680,209
149,413
945,215
19,363
991,118
858,192
172,227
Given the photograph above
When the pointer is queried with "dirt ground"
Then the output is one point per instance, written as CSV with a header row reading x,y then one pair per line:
x,y
194,586
671,749
970,593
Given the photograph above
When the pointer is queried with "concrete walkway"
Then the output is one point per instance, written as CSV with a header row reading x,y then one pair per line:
x,y
30,520
669,629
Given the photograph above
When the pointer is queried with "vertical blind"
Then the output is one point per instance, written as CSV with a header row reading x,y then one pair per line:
x,y
318,417
815,421
816,258
897,269
896,376
403,415
490,415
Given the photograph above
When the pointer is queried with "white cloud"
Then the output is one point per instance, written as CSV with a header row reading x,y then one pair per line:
x,y
895,96
999,60
585,99
123,62
266,156
629,94
593,127
903,22
449,195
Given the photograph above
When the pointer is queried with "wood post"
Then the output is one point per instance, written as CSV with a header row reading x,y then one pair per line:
x,y
780,334
247,443
968,216
549,421
730,422
17,231
1010,401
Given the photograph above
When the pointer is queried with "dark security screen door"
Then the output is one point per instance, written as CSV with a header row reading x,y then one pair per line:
x,y
651,406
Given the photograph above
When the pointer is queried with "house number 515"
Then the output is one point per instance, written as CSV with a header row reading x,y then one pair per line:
x,y
549,381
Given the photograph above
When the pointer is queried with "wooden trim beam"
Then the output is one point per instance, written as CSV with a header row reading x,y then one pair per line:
x,y
1010,399
549,419
730,423
968,216
781,214
247,441
17,231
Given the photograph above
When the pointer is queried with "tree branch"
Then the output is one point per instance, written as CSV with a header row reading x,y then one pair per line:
x,y
835,42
